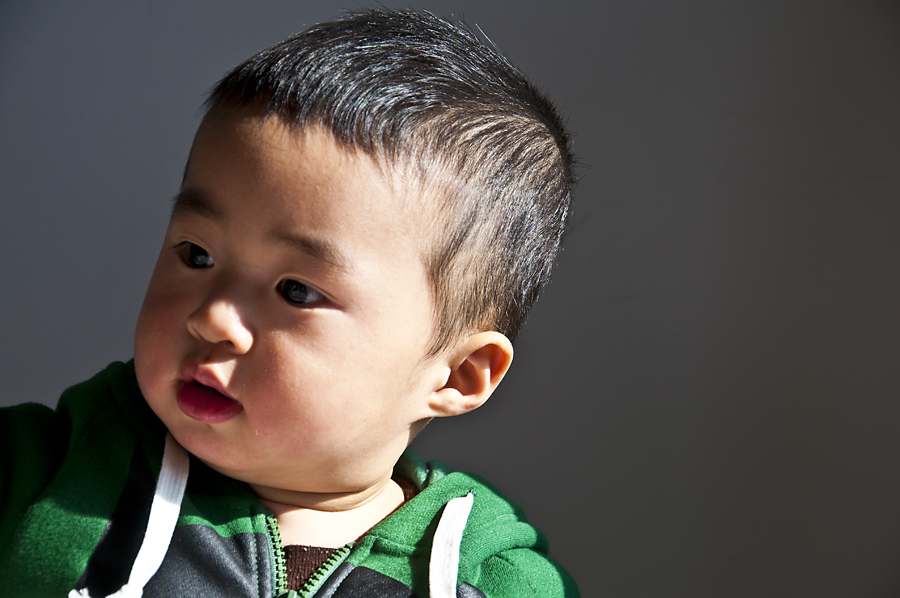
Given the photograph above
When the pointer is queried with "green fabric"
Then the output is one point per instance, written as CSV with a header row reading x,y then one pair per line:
x,y
63,471
226,505
501,554
32,444
47,544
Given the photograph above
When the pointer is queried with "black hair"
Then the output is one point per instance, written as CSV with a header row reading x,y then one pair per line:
x,y
488,151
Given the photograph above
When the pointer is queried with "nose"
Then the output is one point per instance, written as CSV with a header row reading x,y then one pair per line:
x,y
219,321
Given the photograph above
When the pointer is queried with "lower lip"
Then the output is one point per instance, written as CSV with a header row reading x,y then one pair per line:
x,y
206,405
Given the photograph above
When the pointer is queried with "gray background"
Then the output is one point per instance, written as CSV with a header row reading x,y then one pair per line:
x,y
704,403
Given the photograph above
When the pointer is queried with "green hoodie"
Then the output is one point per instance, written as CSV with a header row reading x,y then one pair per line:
x,y
77,484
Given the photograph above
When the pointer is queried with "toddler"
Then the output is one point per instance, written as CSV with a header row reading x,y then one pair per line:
x,y
368,211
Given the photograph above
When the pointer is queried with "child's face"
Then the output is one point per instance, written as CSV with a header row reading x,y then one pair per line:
x,y
291,281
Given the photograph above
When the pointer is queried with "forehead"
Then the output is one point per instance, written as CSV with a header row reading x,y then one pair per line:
x,y
261,142
250,169
257,142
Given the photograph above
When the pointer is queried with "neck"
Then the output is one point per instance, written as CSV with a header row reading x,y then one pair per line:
x,y
329,520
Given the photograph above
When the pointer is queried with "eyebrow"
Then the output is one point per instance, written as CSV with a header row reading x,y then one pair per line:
x,y
193,202
318,249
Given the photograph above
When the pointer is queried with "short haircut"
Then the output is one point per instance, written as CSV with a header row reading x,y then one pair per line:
x,y
430,99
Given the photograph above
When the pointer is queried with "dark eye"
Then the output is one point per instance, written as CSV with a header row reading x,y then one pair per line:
x,y
195,256
297,293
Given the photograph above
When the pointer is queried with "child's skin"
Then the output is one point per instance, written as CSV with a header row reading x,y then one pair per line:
x,y
283,337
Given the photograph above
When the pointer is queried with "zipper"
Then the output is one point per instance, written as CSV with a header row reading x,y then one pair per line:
x,y
322,574
278,566
318,578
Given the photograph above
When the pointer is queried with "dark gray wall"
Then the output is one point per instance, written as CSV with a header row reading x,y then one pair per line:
x,y
704,403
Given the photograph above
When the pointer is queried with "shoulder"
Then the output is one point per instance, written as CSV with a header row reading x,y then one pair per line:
x,y
494,551
37,440
62,475
501,553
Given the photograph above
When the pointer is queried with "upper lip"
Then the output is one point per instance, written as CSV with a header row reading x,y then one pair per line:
x,y
205,376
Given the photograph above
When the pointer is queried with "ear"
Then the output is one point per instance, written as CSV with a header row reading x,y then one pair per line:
x,y
477,365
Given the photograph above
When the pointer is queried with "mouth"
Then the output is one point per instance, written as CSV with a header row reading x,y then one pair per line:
x,y
206,404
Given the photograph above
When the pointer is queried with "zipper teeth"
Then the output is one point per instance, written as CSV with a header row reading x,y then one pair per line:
x,y
325,570
280,567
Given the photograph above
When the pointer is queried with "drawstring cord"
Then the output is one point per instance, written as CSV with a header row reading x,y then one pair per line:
x,y
164,511
443,566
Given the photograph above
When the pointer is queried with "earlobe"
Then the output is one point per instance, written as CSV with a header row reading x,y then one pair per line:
x,y
478,364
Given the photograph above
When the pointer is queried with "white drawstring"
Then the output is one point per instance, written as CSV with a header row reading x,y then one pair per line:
x,y
164,511
443,567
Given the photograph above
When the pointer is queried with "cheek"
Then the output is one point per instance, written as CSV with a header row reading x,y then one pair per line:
x,y
163,311
154,342
324,385
148,361
149,333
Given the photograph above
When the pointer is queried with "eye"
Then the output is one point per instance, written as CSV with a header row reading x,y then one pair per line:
x,y
297,293
195,256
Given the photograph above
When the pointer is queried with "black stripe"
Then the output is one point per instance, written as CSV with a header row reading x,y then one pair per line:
x,y
110,565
